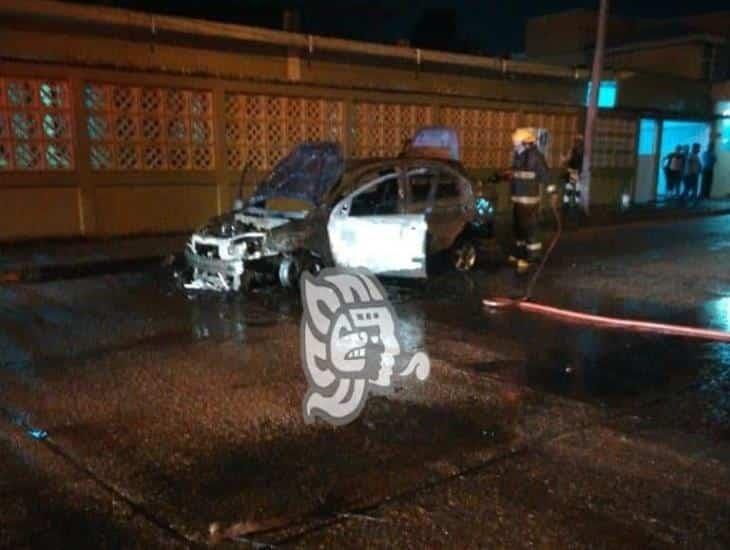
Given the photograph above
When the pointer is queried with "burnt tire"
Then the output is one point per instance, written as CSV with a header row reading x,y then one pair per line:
x,y
292,268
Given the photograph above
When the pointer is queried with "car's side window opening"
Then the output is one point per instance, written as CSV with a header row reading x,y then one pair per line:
x,y
380,200
448,187
420,183
372,175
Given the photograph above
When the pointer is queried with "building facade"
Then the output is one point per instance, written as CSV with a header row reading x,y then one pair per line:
x,y
694,47
121,123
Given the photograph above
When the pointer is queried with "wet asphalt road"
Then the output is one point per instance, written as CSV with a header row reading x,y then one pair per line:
x,y
166,414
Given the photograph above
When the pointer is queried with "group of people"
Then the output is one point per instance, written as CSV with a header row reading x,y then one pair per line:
x,y
683,169
688,173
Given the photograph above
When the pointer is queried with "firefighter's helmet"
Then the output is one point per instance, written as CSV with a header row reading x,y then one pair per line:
x,y
524,135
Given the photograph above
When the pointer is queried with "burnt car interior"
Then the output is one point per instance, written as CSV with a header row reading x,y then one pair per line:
x,y
382,199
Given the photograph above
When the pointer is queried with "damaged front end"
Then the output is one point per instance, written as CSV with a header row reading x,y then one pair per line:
x,y
220,253
271,235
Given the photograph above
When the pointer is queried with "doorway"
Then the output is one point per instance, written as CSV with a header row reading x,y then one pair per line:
x,y
678,132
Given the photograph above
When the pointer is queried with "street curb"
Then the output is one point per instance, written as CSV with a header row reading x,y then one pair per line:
x,y
669,216
627,219
54,272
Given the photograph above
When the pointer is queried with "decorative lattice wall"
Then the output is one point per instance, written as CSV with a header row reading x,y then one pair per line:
x,y
135,128
615,143
381,129
485,136
261,129
36,128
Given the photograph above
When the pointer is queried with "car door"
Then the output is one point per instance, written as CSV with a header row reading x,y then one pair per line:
x,y
450,209
370,229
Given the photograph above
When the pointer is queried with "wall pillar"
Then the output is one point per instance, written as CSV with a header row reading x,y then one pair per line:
x,y
223,192
348,132
89,225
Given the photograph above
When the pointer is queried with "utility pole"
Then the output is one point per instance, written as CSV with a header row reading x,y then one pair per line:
x,y
592,113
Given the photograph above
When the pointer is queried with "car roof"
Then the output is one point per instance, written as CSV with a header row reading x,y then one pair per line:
x,y
358,165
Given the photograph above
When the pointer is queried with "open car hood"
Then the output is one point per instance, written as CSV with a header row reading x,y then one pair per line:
x,y
307,174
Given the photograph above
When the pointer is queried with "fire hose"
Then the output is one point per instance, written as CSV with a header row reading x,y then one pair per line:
x,y
599,321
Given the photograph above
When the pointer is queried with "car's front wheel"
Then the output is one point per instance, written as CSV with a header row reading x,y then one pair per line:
x,y
291,269
289,272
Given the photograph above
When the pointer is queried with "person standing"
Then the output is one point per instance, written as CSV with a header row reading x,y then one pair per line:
x,y
693,167
708,170
573,164
529,171
682,191
673,165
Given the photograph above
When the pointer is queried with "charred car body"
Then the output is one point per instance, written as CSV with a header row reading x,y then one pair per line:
x,y
315,209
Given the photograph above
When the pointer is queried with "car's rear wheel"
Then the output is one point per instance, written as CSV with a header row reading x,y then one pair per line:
x,y
464,254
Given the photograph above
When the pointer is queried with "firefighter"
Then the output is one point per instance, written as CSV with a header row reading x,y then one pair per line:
x,y
529,171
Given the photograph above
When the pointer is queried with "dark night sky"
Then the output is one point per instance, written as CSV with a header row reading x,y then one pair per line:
x,y
476,25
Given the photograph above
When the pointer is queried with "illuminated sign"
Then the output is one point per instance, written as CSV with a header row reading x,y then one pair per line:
x,y
607,94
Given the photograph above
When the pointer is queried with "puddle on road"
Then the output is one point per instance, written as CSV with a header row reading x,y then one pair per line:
x,y
607,367
616,368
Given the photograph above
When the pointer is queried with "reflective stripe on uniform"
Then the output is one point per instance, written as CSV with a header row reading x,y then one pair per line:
x,y
524,175
526,200
551,188
568,186
532,247
520,244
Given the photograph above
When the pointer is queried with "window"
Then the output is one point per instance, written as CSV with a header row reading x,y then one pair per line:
x,y
262,129
382,129
448,187
133,128
420,189
379,200
647,136
607,93
420,183
36,128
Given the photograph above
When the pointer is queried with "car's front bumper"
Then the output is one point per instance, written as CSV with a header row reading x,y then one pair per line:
x,y
227,268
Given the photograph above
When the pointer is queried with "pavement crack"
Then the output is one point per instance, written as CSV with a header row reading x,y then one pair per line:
x,y
21,421
136,507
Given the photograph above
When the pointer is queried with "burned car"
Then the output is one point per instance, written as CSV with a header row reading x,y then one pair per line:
x,y
315,209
